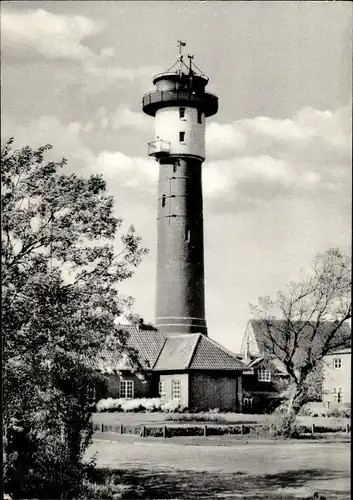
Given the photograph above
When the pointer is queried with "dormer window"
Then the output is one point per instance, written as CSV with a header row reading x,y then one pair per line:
x,y
264,375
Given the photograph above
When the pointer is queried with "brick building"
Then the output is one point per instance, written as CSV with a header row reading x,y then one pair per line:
x,y
189,368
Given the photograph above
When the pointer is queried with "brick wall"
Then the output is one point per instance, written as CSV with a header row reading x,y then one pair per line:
x,y
208,390
142,389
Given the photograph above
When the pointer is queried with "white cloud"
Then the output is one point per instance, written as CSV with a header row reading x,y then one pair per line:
x,y
123,118
214,181
53,36
307,155
66,139
107,52
104,69
32,33
127,171
224,139
308,128
259,168
126,118
101,73
71,140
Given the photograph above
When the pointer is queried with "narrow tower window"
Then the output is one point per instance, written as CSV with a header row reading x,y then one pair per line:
x,y
163,200
199,116
181,136
175,167
187,235
181,112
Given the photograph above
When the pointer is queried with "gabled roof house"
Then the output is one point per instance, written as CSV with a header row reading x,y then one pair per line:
x,y
191,368
266,375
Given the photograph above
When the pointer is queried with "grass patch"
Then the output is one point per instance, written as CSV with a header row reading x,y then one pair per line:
x,y
180,484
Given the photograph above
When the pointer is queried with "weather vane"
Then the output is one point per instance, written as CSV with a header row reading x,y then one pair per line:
x,y
180,45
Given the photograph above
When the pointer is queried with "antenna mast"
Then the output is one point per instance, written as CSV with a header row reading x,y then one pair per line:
x,y
190,64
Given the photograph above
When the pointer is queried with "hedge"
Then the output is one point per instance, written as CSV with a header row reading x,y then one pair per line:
x,y
209,430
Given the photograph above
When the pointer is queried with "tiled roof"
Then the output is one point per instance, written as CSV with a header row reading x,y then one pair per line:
x,y
148,341
177,351
148,344
158,352
259,328
209,355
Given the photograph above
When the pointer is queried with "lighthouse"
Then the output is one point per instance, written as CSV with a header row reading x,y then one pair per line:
x,y
180,106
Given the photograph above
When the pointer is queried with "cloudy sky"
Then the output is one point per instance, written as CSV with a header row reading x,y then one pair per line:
x,y
278,171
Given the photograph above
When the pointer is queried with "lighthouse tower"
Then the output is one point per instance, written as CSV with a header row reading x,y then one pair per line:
x,y
180,106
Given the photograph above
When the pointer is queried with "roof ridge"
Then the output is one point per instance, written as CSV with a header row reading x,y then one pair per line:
x,y
160,352
194,349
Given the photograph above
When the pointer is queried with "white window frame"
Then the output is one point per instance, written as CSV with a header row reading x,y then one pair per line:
x,y
337,363
337,395
126,389
264,375
176,389
162,388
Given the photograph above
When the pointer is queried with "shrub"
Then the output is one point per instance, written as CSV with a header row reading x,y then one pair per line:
x,y
132,429
339,412
108,404
285,427
201,417
138,405
154,431
306,411
185,431
260,431
171,406
219,430
152,404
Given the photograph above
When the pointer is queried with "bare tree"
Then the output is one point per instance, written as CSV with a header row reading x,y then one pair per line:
x,y
308,321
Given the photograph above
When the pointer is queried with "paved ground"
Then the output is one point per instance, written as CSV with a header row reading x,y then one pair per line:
x,y
229,469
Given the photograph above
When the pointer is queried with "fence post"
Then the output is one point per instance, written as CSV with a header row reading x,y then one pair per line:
x,y
121,429
242,429
164,431
101,427
205,430
313,429
143,431
348,428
